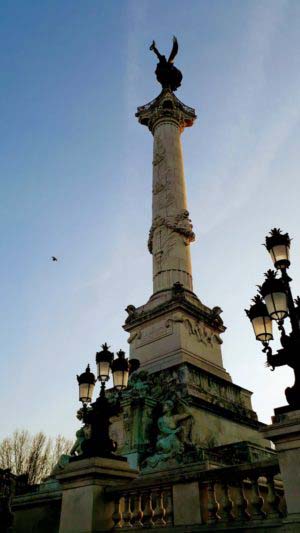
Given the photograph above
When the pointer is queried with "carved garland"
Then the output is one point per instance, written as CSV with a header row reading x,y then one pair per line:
x,y
180,224
195,328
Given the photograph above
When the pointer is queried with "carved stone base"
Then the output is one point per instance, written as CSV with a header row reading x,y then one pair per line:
x,y
84,505
175,327
176,414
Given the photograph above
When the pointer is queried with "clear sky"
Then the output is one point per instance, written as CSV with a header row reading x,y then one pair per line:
x,y
76,181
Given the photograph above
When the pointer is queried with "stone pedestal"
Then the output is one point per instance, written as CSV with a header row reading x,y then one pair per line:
x,y
85,508
175,327
285,433
211,413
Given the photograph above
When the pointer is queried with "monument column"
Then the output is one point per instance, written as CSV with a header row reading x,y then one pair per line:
x,y
171,232
173,326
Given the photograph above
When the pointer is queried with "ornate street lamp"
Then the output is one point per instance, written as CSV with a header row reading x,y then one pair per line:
x,y
104,360
278,245
260,319
273,291
120,370
86,382
96,417
276,303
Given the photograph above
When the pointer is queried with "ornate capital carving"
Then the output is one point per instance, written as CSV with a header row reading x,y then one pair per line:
x,y
167,108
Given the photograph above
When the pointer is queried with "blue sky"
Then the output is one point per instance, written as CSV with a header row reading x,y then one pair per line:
x,y
75,171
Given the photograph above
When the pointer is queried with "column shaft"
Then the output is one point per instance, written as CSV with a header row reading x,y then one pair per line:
x,y
171,231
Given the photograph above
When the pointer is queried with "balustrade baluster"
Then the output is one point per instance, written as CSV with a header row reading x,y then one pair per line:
x,y
256,500
254,496
127,515
226,503
241,502
159,511
272,499
117,515
212,504
168,503
148,510
282,505
137,510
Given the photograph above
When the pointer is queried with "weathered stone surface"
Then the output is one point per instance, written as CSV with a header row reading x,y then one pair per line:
x,y
38,510
285,433
186,514
84,506
174,327
206,412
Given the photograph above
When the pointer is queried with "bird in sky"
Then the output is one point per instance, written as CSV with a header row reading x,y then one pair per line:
x,y
54,258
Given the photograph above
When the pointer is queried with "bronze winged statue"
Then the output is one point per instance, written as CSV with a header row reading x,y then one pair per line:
x,y
166,73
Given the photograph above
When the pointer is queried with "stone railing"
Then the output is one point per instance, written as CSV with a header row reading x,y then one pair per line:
x,y
144,507
244,496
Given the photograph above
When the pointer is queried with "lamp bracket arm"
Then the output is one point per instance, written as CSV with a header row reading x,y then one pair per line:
x,y
275,360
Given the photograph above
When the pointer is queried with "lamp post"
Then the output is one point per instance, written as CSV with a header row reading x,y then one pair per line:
x,y
275,303
96,416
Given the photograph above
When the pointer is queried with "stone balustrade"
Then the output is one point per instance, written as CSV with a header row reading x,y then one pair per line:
x,y
142,508
241,496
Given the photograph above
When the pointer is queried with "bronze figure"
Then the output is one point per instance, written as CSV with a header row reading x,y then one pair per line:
x,y
166,73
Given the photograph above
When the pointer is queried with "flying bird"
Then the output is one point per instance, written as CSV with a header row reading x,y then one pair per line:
x,y
54,258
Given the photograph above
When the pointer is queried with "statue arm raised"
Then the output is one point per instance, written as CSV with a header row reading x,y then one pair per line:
x,y
154,49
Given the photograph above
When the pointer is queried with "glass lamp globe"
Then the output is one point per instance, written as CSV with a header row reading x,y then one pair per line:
x,y
104,360
260,319
274,295
120,371
278,245
86,383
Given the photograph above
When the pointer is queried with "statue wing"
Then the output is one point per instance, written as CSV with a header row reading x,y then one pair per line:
x,y
174,50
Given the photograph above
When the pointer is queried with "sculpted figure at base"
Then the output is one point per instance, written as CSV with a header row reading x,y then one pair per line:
x,y
82,435
172,435
139,384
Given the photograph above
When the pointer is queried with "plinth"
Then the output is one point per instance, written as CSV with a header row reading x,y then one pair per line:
x,y
84,506
285,433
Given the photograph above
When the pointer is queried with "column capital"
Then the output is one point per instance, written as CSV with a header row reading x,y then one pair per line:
x,y
166,108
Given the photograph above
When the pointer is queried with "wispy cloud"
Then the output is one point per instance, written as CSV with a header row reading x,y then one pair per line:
x,y
251,139
137,17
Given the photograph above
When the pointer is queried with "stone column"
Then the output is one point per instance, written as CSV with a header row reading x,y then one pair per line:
x,y
285,433
171,230
173,326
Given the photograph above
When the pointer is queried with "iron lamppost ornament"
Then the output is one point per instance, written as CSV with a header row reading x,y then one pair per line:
x,y
260,319
86,382
273,291
96,416
275,303
278,245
